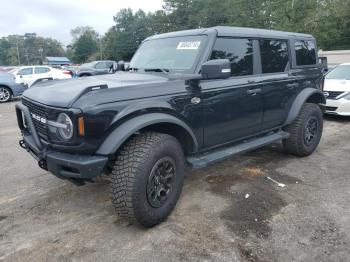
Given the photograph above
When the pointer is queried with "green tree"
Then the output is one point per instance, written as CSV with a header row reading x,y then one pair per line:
x,y
85,45
16,49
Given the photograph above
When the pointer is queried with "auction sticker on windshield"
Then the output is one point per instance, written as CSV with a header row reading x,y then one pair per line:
x,y
189,45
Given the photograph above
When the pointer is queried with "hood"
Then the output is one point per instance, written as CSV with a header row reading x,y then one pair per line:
x,y
340,85
63,93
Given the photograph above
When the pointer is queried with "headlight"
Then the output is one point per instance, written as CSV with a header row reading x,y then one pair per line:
x,y
65,129
347,96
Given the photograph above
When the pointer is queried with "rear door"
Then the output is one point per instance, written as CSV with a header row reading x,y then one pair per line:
x,y
280,87
233,107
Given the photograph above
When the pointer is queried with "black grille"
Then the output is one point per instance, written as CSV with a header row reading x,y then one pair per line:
x,y
331,108
332,94
40,111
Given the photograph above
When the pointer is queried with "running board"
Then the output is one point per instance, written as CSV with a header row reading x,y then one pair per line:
x,y
222,154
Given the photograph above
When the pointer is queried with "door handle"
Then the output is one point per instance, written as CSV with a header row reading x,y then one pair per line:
x,y
292,86
254,91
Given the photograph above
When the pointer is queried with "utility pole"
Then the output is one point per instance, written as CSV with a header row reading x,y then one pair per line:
x,y
26,54
19,61
101,58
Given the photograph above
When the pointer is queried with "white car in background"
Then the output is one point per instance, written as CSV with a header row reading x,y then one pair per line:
x,y
337,90
29,75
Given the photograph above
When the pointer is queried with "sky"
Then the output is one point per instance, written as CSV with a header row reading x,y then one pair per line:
x,y
55,18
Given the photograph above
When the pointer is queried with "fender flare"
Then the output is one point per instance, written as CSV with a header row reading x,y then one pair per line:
x,y
119,135
300,100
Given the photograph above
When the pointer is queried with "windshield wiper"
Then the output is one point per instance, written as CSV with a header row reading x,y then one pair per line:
x,y
164,70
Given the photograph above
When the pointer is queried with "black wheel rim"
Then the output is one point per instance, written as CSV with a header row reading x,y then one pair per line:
x,y
161,181
311,131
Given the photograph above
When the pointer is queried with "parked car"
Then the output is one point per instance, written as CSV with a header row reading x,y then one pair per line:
x,y
97,68
337,90
9,88
30,75
195,97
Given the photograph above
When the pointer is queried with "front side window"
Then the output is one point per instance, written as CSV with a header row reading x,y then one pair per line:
x,y
175,53
274,56
238,51
25,71
305,52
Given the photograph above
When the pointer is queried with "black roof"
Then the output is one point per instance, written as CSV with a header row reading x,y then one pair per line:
x,y
234,32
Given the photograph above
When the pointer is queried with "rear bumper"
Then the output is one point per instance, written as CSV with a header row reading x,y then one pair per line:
x,y
338,107
62,165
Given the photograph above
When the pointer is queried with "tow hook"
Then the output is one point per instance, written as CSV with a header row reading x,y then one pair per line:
x,y
42,164
23,145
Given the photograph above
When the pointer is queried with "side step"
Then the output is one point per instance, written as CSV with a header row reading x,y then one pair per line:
x,y
248,145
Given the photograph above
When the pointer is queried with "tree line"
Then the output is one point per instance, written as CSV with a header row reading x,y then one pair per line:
x,y
327,20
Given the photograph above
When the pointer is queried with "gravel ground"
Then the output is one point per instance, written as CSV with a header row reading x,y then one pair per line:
x,y
227,212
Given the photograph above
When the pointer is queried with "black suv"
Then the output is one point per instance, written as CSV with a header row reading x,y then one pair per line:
x,y
191,97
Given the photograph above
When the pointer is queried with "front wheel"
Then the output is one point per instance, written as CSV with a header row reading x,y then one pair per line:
x,y
147,178
305,132
5,94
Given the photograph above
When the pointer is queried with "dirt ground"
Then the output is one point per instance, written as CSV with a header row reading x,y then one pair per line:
x,y
227,212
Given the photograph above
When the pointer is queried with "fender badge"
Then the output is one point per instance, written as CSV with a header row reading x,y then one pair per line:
x,y
195,100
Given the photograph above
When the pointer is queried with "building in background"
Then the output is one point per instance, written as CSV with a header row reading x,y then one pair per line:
x,y
56,61
335,58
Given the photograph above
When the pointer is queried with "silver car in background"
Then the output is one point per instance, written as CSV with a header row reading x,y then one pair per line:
x,y
337,90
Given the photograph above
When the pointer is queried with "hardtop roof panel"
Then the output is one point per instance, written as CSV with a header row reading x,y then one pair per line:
x,y
233,32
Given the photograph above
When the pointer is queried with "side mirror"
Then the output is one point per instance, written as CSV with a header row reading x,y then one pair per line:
x,y
216,69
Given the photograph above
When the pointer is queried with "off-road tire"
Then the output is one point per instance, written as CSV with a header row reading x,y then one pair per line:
x,y
131,172
296,144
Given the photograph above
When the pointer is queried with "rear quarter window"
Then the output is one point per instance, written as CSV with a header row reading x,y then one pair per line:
x,y
305,52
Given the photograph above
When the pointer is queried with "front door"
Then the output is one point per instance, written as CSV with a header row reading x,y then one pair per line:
x,y
233,107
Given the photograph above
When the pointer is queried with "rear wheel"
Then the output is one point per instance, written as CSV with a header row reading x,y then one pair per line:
x,y
147,178
305,132
5,94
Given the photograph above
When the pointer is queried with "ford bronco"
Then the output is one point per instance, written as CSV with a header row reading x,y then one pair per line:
x,y
188,98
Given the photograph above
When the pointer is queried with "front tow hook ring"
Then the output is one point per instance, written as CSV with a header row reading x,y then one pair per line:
x,y
23,145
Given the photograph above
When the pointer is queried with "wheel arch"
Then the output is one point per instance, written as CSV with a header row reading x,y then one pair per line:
x,y
8,87
152,122
308,95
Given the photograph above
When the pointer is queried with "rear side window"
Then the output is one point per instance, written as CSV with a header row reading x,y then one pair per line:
x,y
101,65
41,70
274,56
305,52
238,51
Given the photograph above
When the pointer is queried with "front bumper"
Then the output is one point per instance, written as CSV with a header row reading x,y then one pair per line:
x,y
62,165
338,107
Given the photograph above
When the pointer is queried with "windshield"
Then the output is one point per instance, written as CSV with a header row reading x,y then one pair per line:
x,y
340,72
178,53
